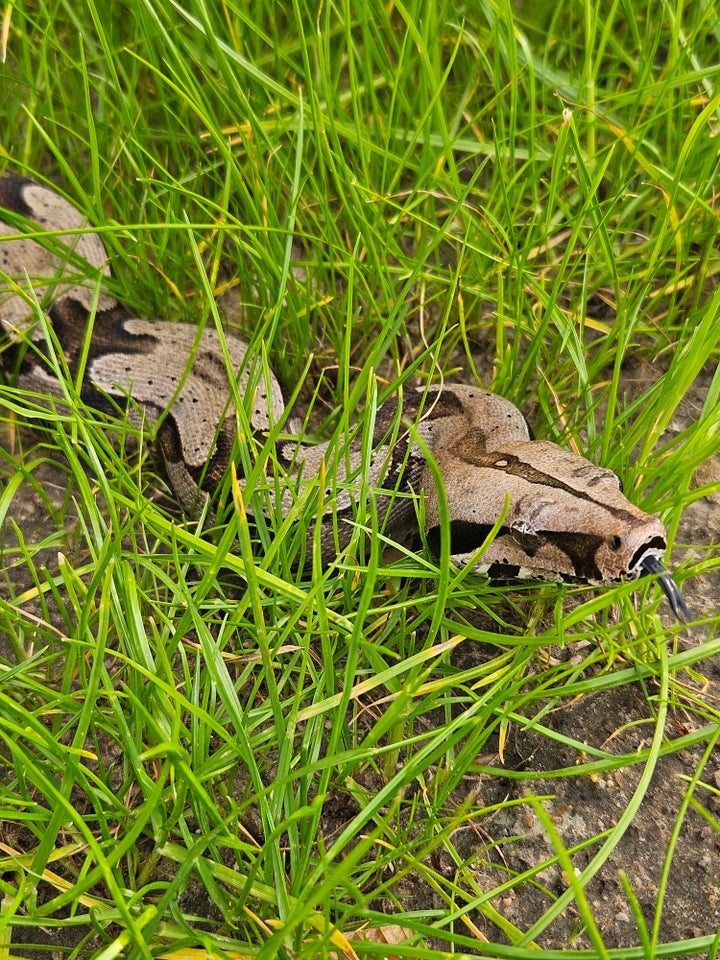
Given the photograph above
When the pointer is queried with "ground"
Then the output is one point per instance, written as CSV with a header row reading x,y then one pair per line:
x,y
579,807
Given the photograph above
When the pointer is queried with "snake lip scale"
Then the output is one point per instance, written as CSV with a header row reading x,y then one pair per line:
x,y
564,518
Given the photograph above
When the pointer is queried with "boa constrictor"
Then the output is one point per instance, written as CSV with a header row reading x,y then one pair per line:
x,y
565,518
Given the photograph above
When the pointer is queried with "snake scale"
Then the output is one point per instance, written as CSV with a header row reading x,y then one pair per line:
x,y
565,519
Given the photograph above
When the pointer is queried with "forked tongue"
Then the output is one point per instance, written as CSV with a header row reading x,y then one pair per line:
x,y
651,564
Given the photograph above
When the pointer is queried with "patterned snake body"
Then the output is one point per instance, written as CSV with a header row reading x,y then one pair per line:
x,y
564,518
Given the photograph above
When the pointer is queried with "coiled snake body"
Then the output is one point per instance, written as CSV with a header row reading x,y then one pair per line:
x,y
564,517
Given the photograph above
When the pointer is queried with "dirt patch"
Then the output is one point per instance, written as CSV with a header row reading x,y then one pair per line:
x,y
514,839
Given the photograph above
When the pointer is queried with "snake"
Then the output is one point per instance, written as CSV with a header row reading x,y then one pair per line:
x,y
446,466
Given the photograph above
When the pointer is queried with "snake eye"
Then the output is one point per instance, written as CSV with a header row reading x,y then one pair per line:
x,y
527,537
615,543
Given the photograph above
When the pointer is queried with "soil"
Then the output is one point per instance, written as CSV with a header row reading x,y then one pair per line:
x,y
580,807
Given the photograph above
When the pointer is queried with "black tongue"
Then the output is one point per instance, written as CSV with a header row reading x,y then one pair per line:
x,y
668,586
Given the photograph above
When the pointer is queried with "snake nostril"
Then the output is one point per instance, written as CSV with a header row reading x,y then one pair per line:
x,y
615,543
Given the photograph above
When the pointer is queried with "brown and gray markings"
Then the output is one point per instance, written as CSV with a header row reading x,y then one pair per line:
x,y
563,517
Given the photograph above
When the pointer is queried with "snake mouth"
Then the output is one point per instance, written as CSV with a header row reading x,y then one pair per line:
x,y
651,564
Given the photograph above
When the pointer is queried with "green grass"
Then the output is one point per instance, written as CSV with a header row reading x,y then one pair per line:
x,y
527,198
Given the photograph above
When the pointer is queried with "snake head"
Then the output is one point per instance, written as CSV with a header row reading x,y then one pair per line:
x,y
565,519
